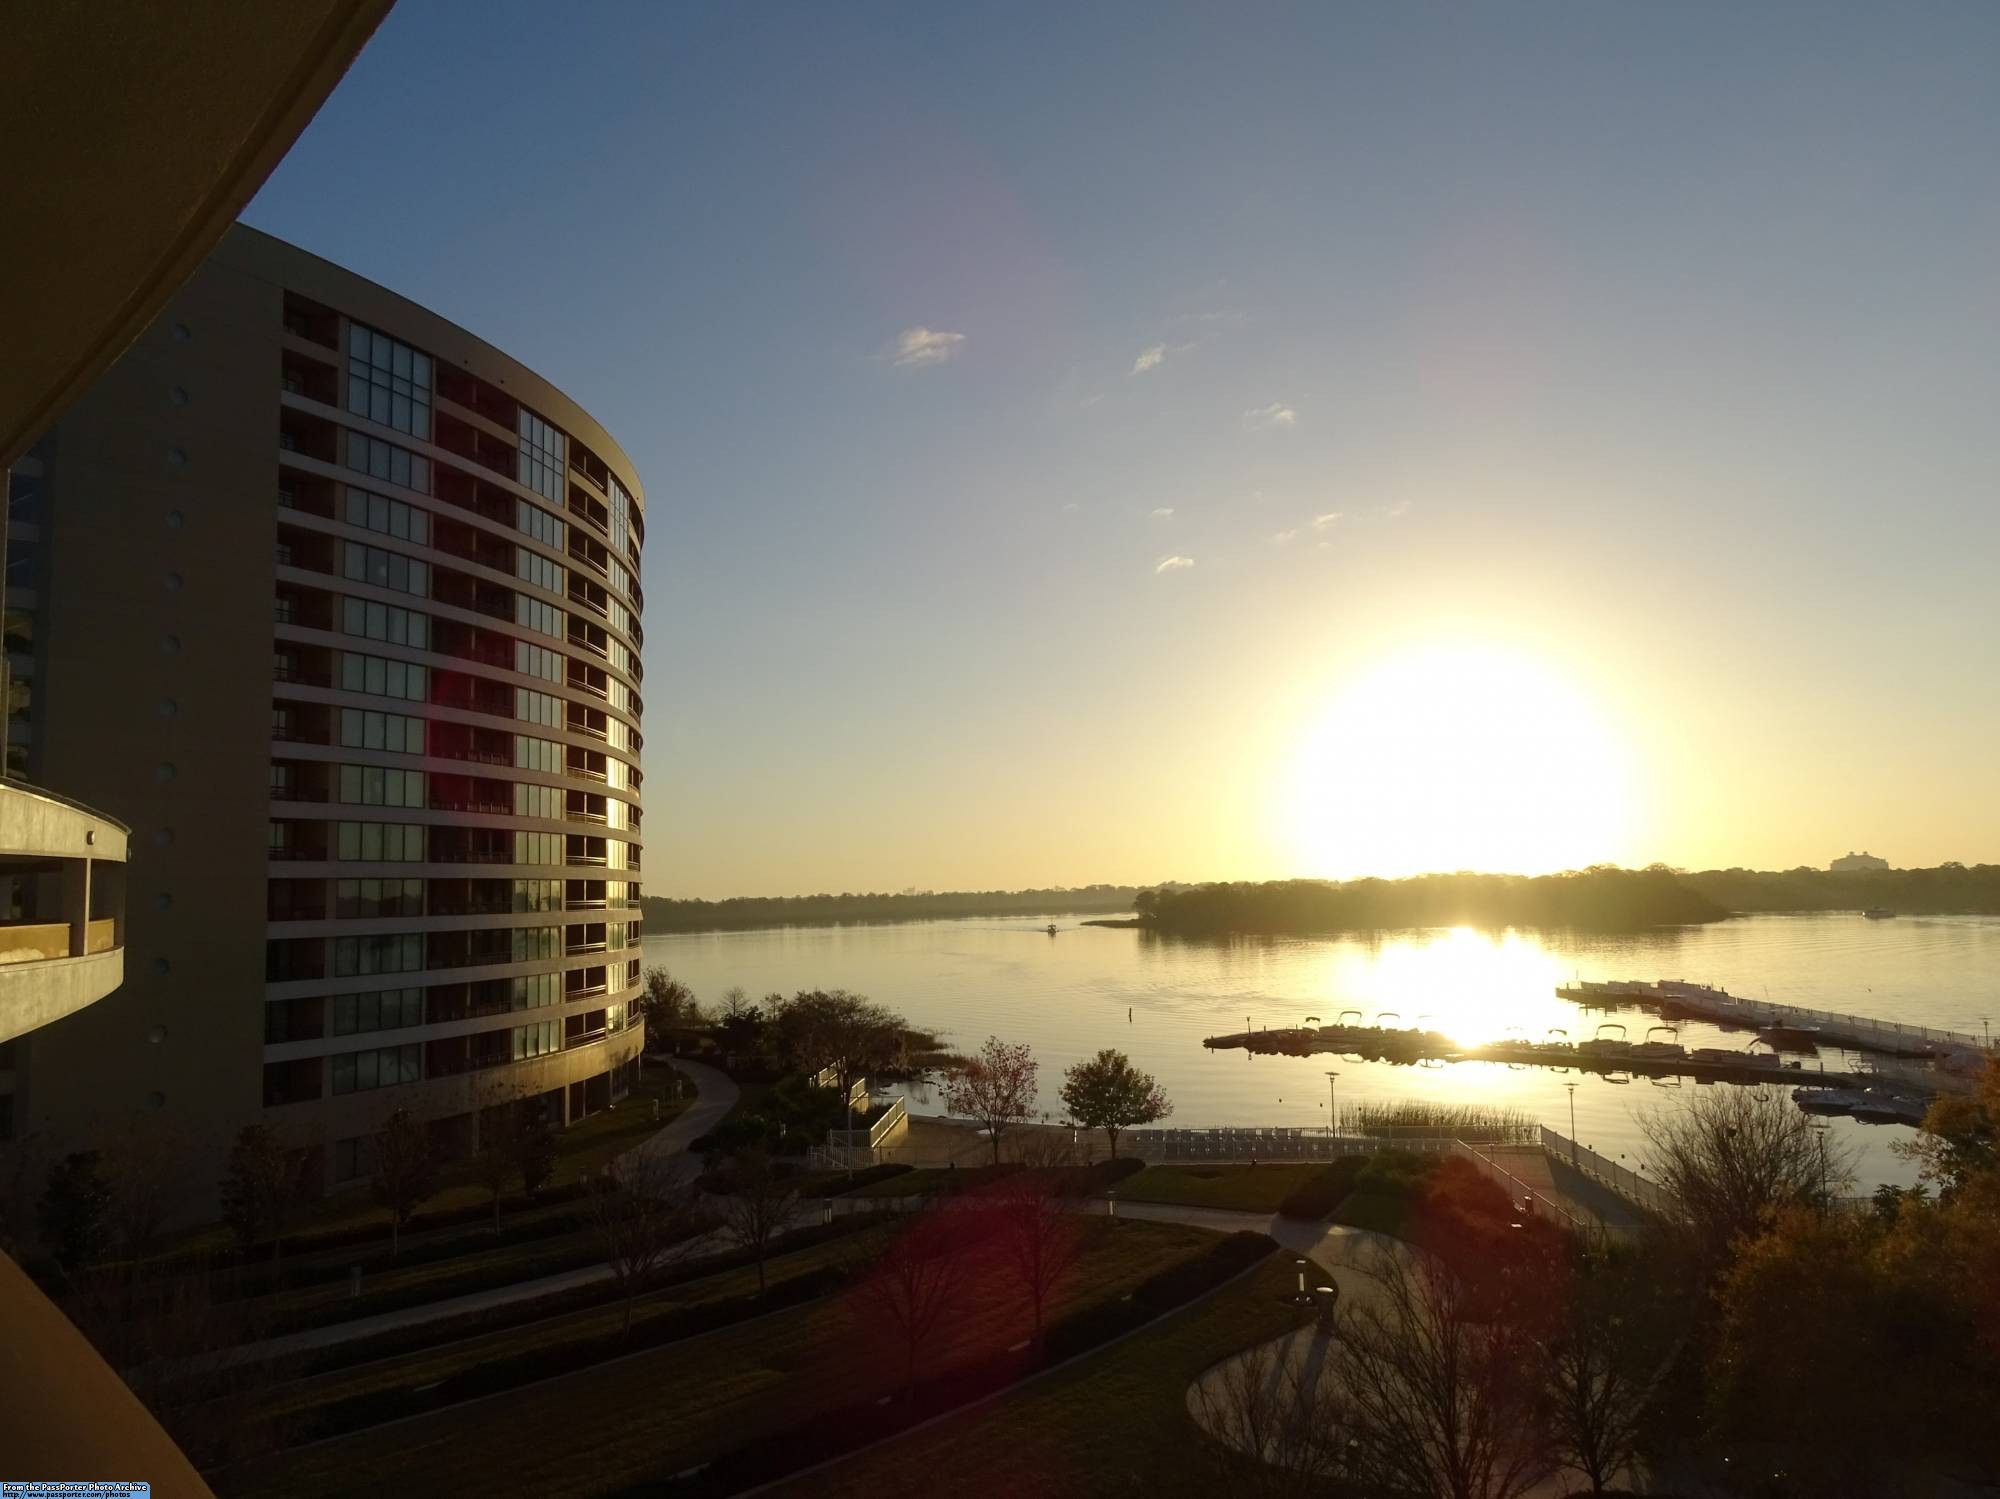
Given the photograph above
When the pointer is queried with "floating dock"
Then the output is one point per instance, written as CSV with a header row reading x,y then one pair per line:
x,y
1676,999
1610,1058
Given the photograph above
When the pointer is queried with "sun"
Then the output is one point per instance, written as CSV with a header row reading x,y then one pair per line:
x,y
1449,757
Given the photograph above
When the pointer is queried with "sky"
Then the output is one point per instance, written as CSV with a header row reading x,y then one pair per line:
x,y
1143,442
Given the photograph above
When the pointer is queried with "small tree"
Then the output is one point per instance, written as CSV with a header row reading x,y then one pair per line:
x,y
1277,1425
497,1161
1038,1235
405,1172
1438,1378
1109,1093
667,1004
1601,1353
1735,1156
917,1287
755,1204
996,1087
645,1220
532,1145
263,1183
76,1210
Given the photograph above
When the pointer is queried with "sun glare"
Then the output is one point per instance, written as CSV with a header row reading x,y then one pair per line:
x,y
1458,757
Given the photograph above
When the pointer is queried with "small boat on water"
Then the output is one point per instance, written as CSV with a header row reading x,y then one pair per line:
x,y
1879,913
1787,1037
1052,928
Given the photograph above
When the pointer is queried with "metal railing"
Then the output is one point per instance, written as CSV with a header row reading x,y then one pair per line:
x,y
1628,1184
1531,1199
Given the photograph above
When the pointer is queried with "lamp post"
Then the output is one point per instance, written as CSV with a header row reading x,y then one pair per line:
x,y
1572,1122
1332,1113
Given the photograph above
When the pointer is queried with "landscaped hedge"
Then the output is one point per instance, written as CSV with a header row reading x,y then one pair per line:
x,y
435,1334
831,1433
505,1373
1319,1194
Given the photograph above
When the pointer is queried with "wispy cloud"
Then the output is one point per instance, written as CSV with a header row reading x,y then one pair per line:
x,y
1332,517
916,347
1285,538
1172,565
1270,418
1162,512
1150,359
1397,510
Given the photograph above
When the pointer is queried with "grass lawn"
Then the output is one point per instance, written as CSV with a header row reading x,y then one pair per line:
x,y
1115,1423
414,1370
1248,1189
672,1407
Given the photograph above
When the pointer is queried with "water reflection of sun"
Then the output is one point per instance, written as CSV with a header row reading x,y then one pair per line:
x,y
1473,986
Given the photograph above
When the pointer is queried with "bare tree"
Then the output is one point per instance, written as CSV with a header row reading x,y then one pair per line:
x,y
996,1087
152,1179
406,1172
755,1205
1733,1157
496,1162
263,1185
1439,1380
1601,1353
1036,1230
918,1287
646,1218
1277,1424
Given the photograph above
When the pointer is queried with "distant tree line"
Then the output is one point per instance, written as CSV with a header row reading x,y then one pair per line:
x,y
1602,898
1951,889
664,915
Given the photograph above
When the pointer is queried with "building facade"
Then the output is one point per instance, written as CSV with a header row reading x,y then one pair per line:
x,y
1854,863
339,606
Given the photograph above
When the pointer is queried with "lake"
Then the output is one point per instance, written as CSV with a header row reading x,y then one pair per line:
x,y
1155,998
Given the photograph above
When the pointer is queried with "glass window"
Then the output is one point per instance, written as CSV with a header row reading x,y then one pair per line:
x,y
358,1071
377,512
388,382
537,754
538,661
385,569
383,678
387,622
533,567
533,520
537,615
387,462
381,842
363,728
544,457
399,953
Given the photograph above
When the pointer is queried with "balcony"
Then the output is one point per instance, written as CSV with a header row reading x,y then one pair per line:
x,y
62,908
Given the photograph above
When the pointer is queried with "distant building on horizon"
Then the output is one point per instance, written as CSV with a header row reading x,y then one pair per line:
x,y
1854,863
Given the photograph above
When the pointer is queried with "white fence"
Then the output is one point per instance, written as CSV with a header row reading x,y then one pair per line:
x,y
1532,1199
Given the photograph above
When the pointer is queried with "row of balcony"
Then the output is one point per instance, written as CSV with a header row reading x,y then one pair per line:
x,y
316,899
315,1017
306,723
299,960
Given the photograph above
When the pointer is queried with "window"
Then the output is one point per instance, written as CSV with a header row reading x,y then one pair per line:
x,y
537,754
363,728
383,678
376,621
385,461
374,786
358,1071
533,520
386,1010
379,898
533,567
537,942
537,615
365,564
537,1040
374,512
281,783
538,895
388,382
353,1158
538,848
621,617
537,801
382,842
538,661
402,953
278,838
532,991
538,707
544,457
623,658
621,580
621,518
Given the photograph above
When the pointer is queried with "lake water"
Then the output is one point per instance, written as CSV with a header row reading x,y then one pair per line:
x,y
1156,998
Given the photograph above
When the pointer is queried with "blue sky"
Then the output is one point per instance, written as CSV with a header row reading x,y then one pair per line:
x,y
1649,346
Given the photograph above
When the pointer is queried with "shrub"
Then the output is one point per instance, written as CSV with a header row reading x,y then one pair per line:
x,y
1319,1194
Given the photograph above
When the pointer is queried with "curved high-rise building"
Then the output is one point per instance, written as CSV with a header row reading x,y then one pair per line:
x,y
346,622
